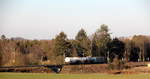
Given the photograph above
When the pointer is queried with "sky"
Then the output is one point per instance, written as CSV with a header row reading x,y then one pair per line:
x,y
44,19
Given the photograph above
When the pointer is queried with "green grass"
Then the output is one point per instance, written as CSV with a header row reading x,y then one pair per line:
x,y
71,76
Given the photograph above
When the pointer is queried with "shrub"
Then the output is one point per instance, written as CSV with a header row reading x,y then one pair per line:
x,y
117,64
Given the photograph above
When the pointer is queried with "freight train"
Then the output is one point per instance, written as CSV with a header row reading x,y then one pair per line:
x,y
84,60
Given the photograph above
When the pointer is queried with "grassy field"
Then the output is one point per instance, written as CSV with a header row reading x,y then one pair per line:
x,y
71,76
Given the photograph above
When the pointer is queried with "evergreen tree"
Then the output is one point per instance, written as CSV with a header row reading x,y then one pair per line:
x,y
62,46
83,44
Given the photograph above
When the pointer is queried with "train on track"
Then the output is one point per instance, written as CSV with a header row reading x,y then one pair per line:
x,y
84,60
58,68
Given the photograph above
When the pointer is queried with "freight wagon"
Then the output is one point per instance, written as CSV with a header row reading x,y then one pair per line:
x,y
84,60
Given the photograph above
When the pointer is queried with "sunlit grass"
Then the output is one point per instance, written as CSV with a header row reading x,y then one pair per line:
x,y
71,76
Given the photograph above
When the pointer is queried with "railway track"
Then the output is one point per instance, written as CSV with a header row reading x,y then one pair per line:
x,y
55,68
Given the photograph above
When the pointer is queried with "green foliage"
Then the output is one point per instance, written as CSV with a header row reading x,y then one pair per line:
x,y
94,48
116,48
60,42
3,37
134,54
100,40
62,46
83,44
72,76
103,28
81,35
27,52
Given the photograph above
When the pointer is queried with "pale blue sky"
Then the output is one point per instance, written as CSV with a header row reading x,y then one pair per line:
x,y
43,19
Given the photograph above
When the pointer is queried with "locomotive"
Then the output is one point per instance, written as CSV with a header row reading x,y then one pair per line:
x,y
84,60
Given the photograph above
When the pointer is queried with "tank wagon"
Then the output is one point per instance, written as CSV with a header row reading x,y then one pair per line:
x,y
84,60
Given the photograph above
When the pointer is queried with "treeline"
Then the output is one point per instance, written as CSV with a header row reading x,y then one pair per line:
x,y
15,51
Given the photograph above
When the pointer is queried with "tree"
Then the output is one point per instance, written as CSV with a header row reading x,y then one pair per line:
x,y
116,49
62,46
100,40
94,48
3,37
83,44
134,54
81,35
142,43
0,53
69,49
131,50
128,48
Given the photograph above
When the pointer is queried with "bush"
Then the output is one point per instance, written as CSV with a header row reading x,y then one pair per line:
x,y
117,64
